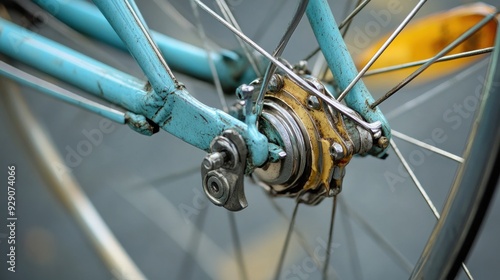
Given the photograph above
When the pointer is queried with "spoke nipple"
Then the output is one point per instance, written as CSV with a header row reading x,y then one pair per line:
x,y
383,142
313,102
333,192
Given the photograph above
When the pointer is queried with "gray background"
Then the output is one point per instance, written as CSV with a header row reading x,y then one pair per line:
x,y
142,185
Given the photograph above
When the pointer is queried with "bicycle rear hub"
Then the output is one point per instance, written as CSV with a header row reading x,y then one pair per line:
x,y
318,141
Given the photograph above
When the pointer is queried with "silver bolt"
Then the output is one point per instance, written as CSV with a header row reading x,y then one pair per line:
x,y
275,83
244,92
313,102
336,151
214,160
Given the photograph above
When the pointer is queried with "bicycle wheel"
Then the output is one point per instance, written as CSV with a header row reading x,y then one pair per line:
x,y
359,251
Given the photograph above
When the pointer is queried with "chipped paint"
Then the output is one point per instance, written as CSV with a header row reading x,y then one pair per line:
x,y
341,64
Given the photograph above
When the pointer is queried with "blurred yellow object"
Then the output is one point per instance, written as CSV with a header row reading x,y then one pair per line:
x,y
424,38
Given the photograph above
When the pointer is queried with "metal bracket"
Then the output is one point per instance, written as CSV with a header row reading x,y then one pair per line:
x,y
223,170
141,124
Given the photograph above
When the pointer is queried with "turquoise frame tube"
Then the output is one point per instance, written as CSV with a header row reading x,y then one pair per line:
x,y
174,109
232,68
341,64
162,99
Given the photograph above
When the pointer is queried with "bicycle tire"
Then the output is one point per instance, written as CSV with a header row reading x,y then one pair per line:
x,y
481,171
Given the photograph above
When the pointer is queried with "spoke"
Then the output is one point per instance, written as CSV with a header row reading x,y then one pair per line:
x,y
271,68
427,146
357,270
301,239
228,15
312,54
60,93
348,20
215,75
61,182
78,38
145,31
320,66
268,19
298,233
330,238
254,45
415,180
237,246
382,48
444,51
345,23
187,264
171,12
372,127
163,180
467,271
287,242
421,62
425,97
377,236
149,202
421,190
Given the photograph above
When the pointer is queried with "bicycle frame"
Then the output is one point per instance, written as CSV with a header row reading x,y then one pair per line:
x,y
162,99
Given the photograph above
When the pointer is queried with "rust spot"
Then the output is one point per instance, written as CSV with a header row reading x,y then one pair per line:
x,y
147,86
167,121
205,119
101,92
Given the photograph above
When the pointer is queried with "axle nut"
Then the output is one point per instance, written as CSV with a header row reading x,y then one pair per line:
x,y
336,151
214,160
244,92
216,187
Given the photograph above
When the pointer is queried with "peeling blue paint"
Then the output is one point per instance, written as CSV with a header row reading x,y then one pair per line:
x,y
176,112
